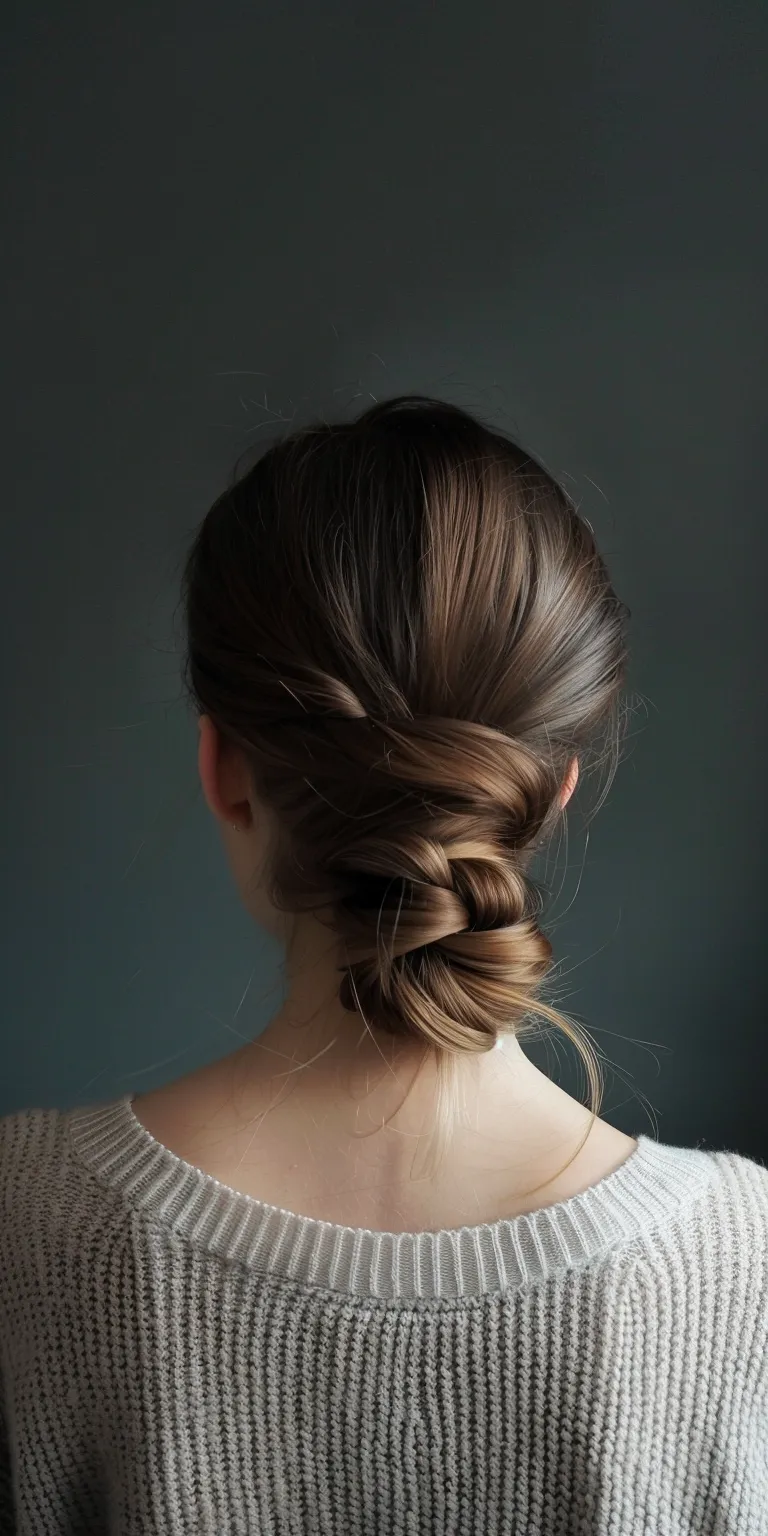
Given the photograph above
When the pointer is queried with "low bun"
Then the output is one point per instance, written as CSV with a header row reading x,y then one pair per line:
x,y
461,988
411,840
440,931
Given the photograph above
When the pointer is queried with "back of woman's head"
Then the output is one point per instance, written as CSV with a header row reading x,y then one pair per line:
x,y
406,625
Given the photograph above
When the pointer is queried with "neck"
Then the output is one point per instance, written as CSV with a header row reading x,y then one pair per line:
x,y
323,1114
366,1101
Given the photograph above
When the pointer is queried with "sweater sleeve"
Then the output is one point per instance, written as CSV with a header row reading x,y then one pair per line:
x,y
7,1519
9,1139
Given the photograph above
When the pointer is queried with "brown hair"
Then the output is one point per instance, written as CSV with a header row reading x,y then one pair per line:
x,y
405,623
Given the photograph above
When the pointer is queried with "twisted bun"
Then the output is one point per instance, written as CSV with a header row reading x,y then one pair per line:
x,y
407,627
428,892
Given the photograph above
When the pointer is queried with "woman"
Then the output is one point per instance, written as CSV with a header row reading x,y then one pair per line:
x,y
374,1272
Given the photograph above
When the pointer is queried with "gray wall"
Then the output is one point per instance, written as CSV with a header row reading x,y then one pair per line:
x,y
552,214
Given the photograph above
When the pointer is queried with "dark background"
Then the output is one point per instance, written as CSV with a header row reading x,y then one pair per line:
x,y
554,215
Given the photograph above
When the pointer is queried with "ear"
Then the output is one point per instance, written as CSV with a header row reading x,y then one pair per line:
x,y
569,782
223,776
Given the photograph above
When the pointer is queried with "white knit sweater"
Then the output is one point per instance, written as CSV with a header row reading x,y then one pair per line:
x,y
178,1357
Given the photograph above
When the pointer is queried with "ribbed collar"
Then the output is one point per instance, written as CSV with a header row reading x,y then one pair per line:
x,y
654,1184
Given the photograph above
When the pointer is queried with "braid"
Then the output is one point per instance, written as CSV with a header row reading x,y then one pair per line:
x,y
474,958
423,878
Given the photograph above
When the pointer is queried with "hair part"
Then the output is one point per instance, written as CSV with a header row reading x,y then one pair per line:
x,y
406,625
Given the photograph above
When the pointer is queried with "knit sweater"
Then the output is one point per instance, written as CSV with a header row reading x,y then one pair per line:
x,y
178,1357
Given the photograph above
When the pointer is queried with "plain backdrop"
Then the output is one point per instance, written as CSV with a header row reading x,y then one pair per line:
x,y
220,220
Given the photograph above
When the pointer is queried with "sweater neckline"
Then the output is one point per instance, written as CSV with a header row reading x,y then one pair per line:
x,y
654,1184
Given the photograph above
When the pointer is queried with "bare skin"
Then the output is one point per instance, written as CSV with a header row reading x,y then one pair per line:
x,y
322,1116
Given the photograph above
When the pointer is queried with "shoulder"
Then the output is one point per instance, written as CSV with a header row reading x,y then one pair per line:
x,y
738,1186
31,1142
33,1146
738,1175
42,1183
707,1273
742,1185
721,1240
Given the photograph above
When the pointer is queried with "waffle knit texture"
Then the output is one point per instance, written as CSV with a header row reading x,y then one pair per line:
x,y
177,1357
